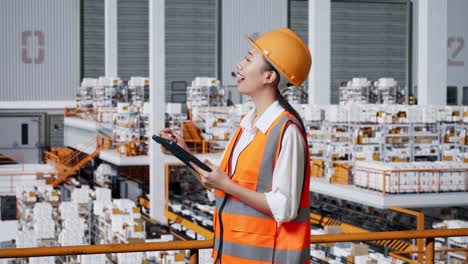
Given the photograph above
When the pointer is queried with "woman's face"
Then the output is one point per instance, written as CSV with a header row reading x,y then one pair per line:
x,y
251,72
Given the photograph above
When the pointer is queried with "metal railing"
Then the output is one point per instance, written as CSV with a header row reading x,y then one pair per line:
x,y
419,226
194,246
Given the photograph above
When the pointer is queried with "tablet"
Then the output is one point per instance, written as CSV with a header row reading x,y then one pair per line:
x,y
180,153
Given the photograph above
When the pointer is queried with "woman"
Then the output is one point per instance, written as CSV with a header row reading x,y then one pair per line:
x,y
262,183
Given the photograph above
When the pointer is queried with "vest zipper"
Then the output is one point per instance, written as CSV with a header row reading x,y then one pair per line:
x,y
226,198
221,229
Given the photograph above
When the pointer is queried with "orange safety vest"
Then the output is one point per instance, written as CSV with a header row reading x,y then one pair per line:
x,y
245,235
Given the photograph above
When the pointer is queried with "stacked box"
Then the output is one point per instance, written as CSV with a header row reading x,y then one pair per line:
x,y
26,239
317,167
130,258
401,177
341,173
92,259
81,195
44,228
42,260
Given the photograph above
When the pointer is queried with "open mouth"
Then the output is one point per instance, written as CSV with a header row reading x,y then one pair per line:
x,y
241,78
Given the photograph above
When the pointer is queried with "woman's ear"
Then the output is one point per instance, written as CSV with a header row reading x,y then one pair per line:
x,y
270,77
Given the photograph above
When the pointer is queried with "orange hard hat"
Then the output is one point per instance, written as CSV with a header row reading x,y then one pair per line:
x,y
287,52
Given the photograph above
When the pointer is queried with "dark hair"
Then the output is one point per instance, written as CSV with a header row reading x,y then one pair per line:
x,y
281,100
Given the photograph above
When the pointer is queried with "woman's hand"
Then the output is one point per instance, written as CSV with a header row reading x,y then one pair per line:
x,y
170,134
216,179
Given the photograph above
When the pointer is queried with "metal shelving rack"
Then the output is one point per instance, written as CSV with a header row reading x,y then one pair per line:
x,y
339,138
144,131
390,95
357,95
127,130
448,140
138,91
455,255
294,95
425,142
387,134
361,91
463,139
95,230
85,211
338,157
105,93
316,138
182,211
85,97
366,139
396,143
25,223
205,92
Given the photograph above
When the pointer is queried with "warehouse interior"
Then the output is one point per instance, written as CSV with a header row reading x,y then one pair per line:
x,y
86,83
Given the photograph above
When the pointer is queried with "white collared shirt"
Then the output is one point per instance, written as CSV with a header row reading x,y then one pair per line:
x,y
288,173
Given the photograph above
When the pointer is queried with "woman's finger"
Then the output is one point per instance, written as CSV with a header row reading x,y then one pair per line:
x,y
162,132
167,130
165,151
177,135
196,168
209,164
204,179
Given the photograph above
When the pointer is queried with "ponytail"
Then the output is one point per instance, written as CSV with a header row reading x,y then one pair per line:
x,y
281,100
288,107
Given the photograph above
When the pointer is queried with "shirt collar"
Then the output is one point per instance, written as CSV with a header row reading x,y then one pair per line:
x,y
265,120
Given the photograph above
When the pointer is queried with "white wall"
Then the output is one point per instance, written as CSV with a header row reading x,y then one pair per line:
x,y
246,17
39,54
11,134
320,48
8,230
457,43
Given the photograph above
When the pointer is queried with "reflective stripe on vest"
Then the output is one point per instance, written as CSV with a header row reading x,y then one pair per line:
x,y
246,228
265,254
269,157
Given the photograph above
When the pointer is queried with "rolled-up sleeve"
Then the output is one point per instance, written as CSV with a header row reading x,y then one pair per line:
x,y
288,176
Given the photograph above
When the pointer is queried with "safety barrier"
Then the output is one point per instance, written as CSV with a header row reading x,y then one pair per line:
x,y
194,246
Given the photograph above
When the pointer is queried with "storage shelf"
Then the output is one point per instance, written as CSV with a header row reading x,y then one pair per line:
x,y
378,200
425,135
396,136
75,135
89,125
112,156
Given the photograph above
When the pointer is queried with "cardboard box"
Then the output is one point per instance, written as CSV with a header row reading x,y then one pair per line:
x,y
330,230
361,259
359,249
340,174
456,261
316,168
